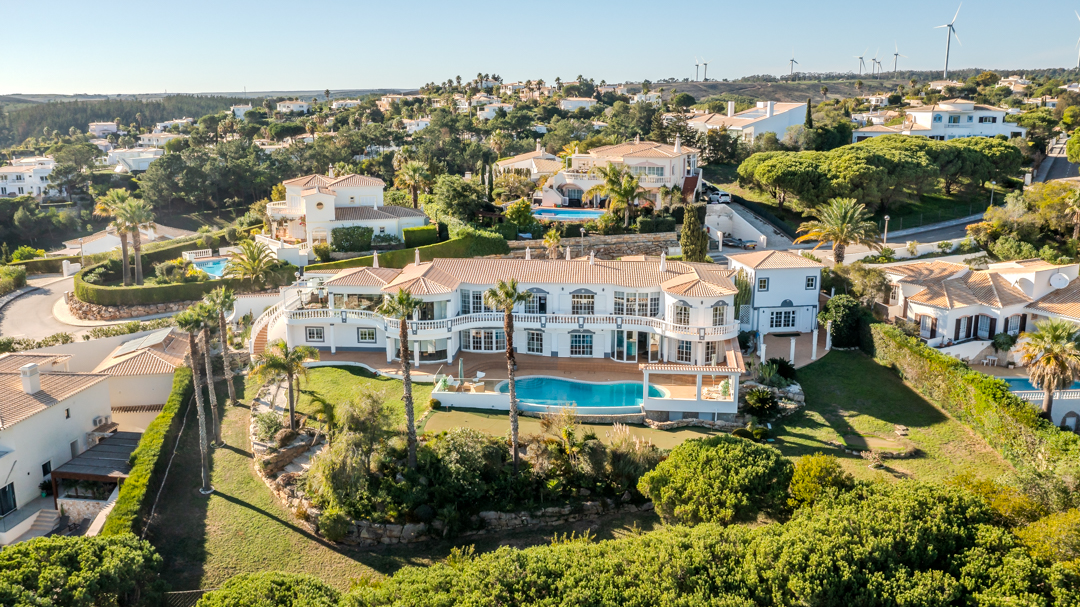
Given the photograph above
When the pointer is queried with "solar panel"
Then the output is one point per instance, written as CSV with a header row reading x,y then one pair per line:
x,y
143,342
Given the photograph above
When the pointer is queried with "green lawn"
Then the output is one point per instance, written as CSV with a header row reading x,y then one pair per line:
x,y
847,394
339,384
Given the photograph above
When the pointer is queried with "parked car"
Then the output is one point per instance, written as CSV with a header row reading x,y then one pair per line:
x,y
719,197
730,241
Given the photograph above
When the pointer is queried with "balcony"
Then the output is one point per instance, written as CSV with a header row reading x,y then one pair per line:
x,y
283,209
958,125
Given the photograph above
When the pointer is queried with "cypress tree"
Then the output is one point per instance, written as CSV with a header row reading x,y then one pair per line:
x,y
693,240
809,116
491,183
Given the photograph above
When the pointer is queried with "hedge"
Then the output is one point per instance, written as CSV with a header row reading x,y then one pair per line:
x,y
11,278
149,460
471,245
155,294
46,265
1008,423
420,236
351,239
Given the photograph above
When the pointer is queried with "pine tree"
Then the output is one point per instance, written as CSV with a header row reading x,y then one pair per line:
x,y
491,184
5,254
694,241
809,116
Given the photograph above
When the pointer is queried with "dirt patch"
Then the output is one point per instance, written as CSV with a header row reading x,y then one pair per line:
x,y
866,442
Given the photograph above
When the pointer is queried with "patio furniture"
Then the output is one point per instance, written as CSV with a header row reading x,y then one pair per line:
x,y
478,388
991,361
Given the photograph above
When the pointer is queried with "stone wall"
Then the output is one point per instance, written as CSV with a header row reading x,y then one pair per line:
x,y
89,311
688,422
595,419
606,247
78,509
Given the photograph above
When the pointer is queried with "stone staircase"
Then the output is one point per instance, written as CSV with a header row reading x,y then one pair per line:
x,y
44,524
303,461
260,341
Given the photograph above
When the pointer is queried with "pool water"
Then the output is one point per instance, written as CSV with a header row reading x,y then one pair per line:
x,y
1023,384
215,268
566,214
562,392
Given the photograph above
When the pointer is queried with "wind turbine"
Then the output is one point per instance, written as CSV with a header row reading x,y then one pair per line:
x,y
950,33
1078,45
875,65
706,64
792,63
862,64
697,65
897,54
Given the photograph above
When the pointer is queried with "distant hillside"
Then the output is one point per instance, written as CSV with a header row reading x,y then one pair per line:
x,y
13,103
795,92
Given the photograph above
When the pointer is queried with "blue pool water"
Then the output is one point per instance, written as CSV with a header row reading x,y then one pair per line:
x,y
214,268
567,214
1023,384
561,392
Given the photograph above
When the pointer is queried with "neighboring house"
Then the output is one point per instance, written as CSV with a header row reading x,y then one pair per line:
x,y
464,104
1017,84
598,125
877,100
238,111
537,162
1044,101
344,103
413,125
650,97
1072,87
573,103
161,127
140,376
488,111
656,164
27,177
784,291
48,417
511,88
316,204
107,240
286,107
537,94
766,117
102,144
131,160
269,146
939,85
385,101
948,120
157,140
101,129
872,118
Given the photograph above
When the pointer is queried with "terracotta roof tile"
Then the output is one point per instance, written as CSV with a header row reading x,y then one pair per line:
x,y
1062,302
363,277
774,260
16,405
12,362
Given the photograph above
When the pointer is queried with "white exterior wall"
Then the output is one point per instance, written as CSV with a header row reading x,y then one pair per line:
x,y
133,390
572,104
784,285
101,129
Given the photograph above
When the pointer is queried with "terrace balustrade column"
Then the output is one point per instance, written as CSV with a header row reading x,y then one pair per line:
x,y
389,349
793,351
416,354
699,386
645,389
813,346
333,342
828,336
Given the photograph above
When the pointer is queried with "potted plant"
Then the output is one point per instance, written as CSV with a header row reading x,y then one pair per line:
x,y
46,487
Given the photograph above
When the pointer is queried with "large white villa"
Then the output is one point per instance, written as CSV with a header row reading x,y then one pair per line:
x,y
656,164
948,120
27,177
765,117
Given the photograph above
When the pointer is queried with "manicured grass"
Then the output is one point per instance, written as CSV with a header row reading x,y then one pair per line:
x,y
848,393
339,384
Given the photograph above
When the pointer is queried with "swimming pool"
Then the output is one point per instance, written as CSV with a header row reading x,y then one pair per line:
x,y
1023,384
215,268
567,214
543,392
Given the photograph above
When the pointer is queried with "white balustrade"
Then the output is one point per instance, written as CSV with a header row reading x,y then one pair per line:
x,y
197,254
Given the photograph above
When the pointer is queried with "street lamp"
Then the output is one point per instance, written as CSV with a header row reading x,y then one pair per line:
x,y
885,237
82,255
992,188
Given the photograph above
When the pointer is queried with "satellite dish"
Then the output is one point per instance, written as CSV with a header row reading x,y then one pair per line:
x,y
1059,281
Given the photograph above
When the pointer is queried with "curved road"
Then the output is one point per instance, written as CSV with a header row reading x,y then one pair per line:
x,y
31,315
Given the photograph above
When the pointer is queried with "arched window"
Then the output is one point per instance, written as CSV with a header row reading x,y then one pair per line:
x,y
787,303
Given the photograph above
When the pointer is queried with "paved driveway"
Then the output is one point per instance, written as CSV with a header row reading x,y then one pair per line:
x,y
31,315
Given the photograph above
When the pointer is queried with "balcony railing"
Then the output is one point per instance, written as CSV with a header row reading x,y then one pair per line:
x,y
283,208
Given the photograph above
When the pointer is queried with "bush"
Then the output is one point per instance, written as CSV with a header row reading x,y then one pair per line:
x,y
814,476
11,278
434,403
472,243
147,461
760,402
127,328
420,236
267,425
47,265
784,368
153,293
322,251
1054,538
272,589
721,479
352,239
333,524
25,253
846,314
66,571
743,433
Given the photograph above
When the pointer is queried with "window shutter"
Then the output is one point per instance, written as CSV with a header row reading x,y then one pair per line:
x,y
971,323
933,328
1023,323
993,324
956,333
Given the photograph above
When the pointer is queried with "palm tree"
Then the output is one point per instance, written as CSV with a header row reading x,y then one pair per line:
x,y
504,296
824,91
279,359
220,300
107,206
414,177
252,262
859,85
401,306
844,222
206,313
1073,208
621,188
136,215
191,322
551,243
1052,355
672,195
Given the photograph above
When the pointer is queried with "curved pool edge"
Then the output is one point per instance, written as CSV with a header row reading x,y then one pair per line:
x,y
665,393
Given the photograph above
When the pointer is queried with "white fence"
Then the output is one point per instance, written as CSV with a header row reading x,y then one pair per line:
x,y
197,254
902,252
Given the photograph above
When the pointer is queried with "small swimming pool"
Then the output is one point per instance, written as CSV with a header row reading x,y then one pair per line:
x,y
567,214
1023,384
554,392
215,267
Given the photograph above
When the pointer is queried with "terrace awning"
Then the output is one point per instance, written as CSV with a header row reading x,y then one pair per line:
x,y
105,462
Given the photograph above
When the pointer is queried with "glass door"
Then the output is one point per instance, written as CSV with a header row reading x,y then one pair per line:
x,y
654,347
626,346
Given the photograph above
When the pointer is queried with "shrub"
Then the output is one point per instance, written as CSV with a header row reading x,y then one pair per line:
x,y
353,239
1003,342
385,239
784,368
333,524
25,253
267,425
760,402
434,403
815,475
154,293
720,479
322,251
147,461
81,571
420,236
51,265
846,314
126,328
272,589
1054,538
471,243
11,278
742,433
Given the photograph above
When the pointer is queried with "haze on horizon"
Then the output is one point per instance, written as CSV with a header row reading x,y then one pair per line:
x,y
226,46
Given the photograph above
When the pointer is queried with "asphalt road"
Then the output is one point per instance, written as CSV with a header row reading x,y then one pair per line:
x,y
31,315
930,236
1062,168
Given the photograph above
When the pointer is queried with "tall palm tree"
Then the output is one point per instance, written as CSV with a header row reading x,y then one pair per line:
x,y
279,359
1052,355
222,299
504,296
414,177
106,206
206,313
137,215
1073,208
252,262
672,195
401,306
824,91
844,222
191,322
551,243
621,188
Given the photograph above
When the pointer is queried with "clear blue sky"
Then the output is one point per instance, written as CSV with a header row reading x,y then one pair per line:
x,y
225,45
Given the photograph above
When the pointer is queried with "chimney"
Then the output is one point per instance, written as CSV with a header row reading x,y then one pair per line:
x,y
637,138
568,253
730,108
769,106
592,258
375,261
330,173
417,256
678,145
31,379
539,148
528,253
663,261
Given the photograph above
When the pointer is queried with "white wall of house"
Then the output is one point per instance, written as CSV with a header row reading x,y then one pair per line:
x,y
786,302
133,390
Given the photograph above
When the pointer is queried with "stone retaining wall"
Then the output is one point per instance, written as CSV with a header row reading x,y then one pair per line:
x,y
606,247
89,311
595,419
79,509
693,422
